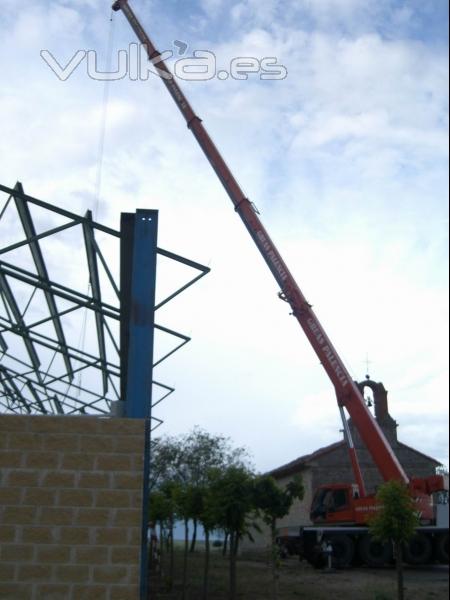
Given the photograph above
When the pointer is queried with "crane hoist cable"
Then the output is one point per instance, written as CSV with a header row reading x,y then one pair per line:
x,y
99,174
104,117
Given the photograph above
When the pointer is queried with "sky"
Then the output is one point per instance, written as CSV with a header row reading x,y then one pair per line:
x,y
346,159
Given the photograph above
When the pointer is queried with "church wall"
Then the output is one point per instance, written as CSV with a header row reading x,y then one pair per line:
x,y
299,515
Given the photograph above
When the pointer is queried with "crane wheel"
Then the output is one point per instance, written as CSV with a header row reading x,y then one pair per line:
x,y
419,551
374,553
343,550
441,548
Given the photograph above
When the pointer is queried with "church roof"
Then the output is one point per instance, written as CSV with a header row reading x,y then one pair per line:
x,y
430,458
303,462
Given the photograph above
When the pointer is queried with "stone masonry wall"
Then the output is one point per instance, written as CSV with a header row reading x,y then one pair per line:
x,y
335,466
298,515
70,507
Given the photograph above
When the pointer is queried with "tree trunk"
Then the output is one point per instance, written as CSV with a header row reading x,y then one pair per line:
x,y
234,544
399,563
172,557
225,543
185,558
275,557
207,561
194,536
161,549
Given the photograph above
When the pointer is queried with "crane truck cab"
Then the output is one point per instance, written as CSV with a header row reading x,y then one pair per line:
x,y
334,504
341,504
340,520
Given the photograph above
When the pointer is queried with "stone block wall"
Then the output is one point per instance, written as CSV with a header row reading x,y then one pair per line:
x,y
298,515
70,507
335,466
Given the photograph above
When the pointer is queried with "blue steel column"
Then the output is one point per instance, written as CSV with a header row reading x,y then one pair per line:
x,y
141,316
138,315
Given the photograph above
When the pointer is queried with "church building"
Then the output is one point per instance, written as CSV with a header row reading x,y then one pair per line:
x,y
331,464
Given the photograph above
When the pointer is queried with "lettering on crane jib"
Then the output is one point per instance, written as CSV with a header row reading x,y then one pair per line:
x,y
329,354
177,94
272,256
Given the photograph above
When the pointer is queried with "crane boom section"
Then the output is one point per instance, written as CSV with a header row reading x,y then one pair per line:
x,y
347,392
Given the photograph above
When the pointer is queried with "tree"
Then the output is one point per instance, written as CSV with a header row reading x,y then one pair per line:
x,y
185,497
207,514
165,460
187,459
180,468
233,500
202,452
168,491
275,503
160,513
395,522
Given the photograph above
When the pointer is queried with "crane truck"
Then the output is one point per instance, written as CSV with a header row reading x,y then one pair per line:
x,y
344,525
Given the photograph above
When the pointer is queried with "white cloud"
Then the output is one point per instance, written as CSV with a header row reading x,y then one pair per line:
x,y
261,13
346,160
212,7
326,12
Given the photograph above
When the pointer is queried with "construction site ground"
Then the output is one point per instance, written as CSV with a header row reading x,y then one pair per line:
x,y
300,581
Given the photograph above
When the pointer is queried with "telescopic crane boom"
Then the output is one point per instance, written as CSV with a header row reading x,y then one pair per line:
x,y
347,392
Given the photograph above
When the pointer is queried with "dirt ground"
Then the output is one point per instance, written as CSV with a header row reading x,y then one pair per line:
x,y
363,584
300,581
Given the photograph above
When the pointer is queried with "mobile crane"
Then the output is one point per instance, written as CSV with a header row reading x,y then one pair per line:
x,y
356,505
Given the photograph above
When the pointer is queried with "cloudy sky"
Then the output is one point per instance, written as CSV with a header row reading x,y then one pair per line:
x,y
346,159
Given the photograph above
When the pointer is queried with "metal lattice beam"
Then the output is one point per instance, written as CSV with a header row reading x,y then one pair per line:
x,y
94,279
43,369
30,232
18,325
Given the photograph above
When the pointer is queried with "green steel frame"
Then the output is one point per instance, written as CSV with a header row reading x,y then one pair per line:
x,y
42,366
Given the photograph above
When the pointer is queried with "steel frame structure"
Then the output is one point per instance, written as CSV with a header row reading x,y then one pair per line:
x,y
41,367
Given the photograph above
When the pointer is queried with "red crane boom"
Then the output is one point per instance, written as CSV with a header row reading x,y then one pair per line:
x,y
347,392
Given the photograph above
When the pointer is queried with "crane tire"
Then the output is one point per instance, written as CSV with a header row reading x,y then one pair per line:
x,y
441,548
373,552
419,551
343,550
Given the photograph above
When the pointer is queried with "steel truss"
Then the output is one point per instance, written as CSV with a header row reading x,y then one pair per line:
x,y
59,345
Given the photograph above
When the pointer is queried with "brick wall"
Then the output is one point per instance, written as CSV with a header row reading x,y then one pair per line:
x,y
70,507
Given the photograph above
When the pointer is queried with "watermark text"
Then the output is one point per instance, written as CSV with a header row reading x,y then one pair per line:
x,y
133,63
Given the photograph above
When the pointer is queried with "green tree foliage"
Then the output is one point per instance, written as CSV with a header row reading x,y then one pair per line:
x,y
163,509
205,513
275,503
187,469
188,458
395,522
165,459
232,501
203,452
160,513
186,497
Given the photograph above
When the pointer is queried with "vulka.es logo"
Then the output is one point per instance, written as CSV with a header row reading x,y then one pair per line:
x,y
134,64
